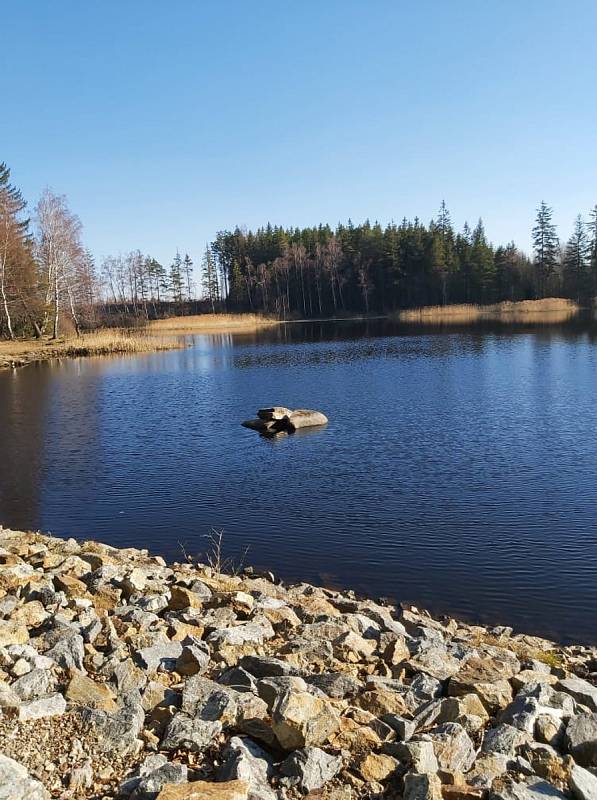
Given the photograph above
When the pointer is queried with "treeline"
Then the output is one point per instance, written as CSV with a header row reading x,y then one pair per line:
x,y
49,280
367,268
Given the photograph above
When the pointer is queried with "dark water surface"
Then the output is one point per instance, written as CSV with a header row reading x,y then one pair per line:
x,y
458,471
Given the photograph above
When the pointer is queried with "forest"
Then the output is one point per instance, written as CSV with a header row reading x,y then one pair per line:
x,y
49,281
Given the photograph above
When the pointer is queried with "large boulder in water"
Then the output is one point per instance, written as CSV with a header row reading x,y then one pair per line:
x,y
260,425
276,412
305,418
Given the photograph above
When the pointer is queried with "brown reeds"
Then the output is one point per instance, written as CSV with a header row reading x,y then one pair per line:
x,y
548,310
211,322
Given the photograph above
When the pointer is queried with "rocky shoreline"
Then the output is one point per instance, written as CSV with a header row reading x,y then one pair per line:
x,y
124,676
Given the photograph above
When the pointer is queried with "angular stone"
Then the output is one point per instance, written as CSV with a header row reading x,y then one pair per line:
x,y
194,658
486,678
83,691
376,767
209,701
204,790
192,734
119,731
182,598
150,785
12,633
299,719
52,706
246,633
583,783
310,769
422,787
335,684
382,701
9,699
531,789
247,761
67,648
267,667
435,661
582,691
418,756
37,683
16,783
581,739
162,655
453,747
504,739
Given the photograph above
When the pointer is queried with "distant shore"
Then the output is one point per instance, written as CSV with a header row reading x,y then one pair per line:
x,y
549,310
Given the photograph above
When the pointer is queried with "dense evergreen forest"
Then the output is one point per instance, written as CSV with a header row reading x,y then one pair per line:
x,y
368,268
49,281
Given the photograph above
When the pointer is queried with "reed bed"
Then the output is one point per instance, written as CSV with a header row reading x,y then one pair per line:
x,y
215,322
100,343
547,310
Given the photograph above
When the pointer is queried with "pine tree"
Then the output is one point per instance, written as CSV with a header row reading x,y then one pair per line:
x,y
483,263
176,279
211,289
443,249
577,259
546,248
592,226
188,272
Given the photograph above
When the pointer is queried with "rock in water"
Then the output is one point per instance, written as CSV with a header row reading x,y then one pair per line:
x,y
276,412
304,418
258,424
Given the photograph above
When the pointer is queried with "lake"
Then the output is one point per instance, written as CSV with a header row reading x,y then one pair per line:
x,y
458,471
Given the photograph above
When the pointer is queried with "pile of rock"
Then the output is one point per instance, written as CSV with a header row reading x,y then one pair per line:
x,y
280,421
123,676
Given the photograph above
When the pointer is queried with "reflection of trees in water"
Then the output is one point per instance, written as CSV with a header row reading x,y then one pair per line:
x,y
23,418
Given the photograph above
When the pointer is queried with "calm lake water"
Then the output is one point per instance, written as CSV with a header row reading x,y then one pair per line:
x,y
458,470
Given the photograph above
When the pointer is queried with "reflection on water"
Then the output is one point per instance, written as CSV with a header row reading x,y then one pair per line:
x,y
456,472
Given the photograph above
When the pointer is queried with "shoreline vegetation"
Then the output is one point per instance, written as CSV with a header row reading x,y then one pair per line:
x,y
21,352
167,333
199,323
126,676
545,311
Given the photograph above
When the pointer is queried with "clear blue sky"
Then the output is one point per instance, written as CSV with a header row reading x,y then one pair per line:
x,y
165,121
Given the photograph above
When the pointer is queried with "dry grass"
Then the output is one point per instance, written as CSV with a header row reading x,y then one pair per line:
x,y
101,343
548,310
212,322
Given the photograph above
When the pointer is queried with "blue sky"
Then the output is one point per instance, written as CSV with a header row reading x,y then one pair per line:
x,y
164,122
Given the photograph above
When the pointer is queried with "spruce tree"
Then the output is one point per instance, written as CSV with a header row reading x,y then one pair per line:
x,y
592,226
577,258
546,248
188,274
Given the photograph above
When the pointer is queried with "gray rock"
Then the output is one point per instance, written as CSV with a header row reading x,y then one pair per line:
x,y
453,747
531,789
66,648
162,655
239,679
247,761
194,658
405,728
193,734
37,683
421,787
311,768
52,706
504,739
335,684
209,700
521,713
581,739
418,756
582,691
9,699
149,786
16,783
117,731
423,688
246,633
583,783
265,667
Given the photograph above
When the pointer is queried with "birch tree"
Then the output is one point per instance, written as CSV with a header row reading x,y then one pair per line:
x,y
58,249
